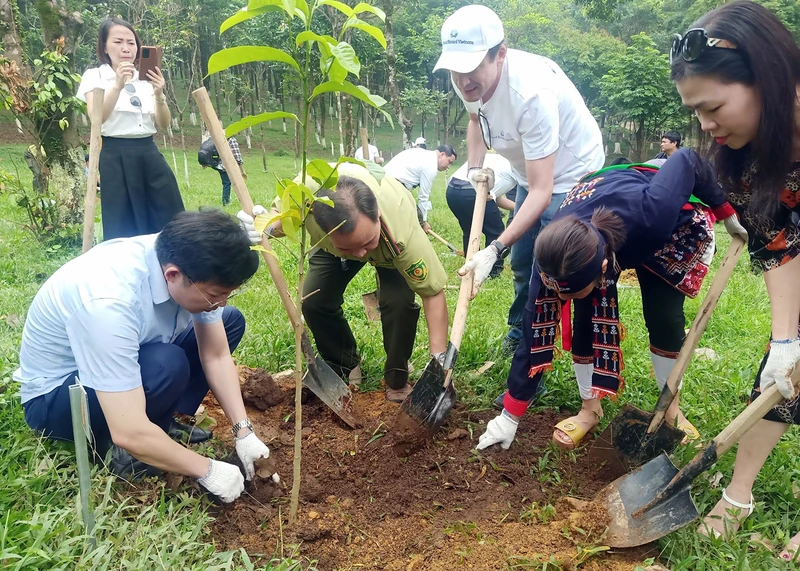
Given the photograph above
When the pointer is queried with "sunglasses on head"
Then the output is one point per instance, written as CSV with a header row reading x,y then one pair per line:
x,y
693,43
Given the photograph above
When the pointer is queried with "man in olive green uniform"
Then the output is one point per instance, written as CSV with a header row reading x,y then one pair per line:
x,y
373,223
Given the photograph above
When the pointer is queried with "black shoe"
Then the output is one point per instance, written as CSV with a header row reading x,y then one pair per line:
x,y
498,403
124,465
495,273
187,433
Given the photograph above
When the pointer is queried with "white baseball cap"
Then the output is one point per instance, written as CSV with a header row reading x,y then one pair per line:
x,y
420,141
467,35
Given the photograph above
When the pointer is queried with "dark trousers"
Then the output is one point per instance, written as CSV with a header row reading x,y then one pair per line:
x,y
140,193
334,338
662,306
172,378
461,201
226,187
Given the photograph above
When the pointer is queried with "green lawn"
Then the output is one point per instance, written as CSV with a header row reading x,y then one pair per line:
x,y
39,513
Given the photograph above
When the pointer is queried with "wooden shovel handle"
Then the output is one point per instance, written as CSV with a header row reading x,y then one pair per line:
x,y
94,161
240,187
442,240
465,291
721,279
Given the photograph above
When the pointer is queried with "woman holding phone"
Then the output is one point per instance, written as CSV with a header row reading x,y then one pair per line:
x,y
140,193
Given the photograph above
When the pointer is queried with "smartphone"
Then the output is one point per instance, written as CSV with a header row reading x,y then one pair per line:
x,y
149,58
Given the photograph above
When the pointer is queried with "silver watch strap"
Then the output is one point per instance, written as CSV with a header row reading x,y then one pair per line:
x,y
241,424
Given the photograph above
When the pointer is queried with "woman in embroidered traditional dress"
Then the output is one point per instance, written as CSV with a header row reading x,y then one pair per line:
x,y
747,96
629,216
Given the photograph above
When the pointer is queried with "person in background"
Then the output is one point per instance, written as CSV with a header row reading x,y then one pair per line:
x,y
670,142
143,324
140,192
461,201
208,156
524,107
418,167
374,155
738,69
419,143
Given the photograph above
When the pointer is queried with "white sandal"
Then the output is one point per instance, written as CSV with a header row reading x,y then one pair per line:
x,y
707,530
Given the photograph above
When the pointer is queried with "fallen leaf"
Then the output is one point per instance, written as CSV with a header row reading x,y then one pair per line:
x,y
796,490
715,479
14,320
174,481
482,474
485,367
706,353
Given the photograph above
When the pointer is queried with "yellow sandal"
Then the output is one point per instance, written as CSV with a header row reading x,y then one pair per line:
x,y
574,431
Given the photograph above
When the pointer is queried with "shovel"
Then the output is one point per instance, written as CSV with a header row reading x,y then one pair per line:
x,y
654,500
450,247
319,378
636,436
434,395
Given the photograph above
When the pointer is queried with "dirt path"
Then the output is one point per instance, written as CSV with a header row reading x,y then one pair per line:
x,y
445,507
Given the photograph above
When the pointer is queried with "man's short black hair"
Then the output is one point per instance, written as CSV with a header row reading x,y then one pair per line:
x,y
351,198
620,161
448,151
492,53
208,246
673,136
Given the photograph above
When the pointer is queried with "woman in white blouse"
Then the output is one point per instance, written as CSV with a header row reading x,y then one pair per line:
x,y
140,193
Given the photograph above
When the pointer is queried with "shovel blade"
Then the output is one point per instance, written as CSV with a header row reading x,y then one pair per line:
x,y
424,410
627,494
329,387
625,444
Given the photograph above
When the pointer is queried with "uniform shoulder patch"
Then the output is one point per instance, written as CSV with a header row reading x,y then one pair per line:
x,y
418,271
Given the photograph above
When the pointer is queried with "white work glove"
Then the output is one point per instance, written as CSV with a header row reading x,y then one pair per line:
x,y
249,223
500,430
223,480
250,448
481,264
734,227
778,368
476,175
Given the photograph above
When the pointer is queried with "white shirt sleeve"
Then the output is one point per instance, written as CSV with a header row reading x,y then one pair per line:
x,y
538,126
208,316
89,80
104,337
426,177
504,183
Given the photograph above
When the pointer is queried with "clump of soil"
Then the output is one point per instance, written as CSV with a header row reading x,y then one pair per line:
x,y
628,279
259,389
446,506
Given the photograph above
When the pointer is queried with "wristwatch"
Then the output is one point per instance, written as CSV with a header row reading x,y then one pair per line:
x,y
242,424
502,251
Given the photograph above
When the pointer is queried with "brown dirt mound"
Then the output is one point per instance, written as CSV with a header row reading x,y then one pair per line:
x,y
259,389
445,506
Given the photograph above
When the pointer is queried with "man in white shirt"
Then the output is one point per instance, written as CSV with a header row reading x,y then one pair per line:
x,y
142,323
419,167
461,201
374,156
524,107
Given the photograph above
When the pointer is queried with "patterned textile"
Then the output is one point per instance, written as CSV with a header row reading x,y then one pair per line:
x,y
683,261
772,241
607,335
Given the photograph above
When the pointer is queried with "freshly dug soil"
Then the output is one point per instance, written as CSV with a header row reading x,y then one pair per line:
x,y
446,506
259,389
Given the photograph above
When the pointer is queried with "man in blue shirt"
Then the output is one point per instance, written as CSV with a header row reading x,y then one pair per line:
x,y
142,323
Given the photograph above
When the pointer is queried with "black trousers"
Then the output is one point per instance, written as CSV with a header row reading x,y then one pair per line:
x,y
332,334
140,193
461,201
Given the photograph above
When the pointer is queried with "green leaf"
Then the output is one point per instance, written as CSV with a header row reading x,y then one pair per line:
x,y
335,71
343,8
326,200
374,169
346,56
302,7
246,14
359,92
252,120
308,36
373,31
364,7
290,7
230,57
325,175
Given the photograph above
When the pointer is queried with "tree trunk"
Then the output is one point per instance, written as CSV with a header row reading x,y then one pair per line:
x,y
11,39
391,63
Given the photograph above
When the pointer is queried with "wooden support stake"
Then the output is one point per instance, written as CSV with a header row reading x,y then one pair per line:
x,y
81,432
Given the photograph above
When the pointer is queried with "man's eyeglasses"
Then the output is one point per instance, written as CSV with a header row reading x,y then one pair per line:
x,y
486,132
692,44
214,305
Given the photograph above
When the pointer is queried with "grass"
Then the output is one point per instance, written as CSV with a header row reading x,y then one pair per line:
x,y
39,512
